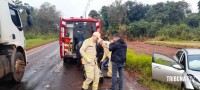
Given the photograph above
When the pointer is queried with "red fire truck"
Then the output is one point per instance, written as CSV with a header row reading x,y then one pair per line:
x,y
73,31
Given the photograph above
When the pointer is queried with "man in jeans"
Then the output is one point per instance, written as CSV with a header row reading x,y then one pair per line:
x,y
118,48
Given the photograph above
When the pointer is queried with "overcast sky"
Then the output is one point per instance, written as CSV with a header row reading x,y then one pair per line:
x,y
75,8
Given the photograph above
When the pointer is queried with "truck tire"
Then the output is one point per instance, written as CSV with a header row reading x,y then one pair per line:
x,y
19,67
4,66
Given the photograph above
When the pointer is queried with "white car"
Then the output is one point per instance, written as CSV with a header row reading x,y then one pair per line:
x,y
182,70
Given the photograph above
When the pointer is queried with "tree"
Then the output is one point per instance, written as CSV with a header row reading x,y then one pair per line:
x,y
136,11
47,18
94,14
19,4
198,4
169,12
23,6
117,14
139,29
193,20
104,15
153,28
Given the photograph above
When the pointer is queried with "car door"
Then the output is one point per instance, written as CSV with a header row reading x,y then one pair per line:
x,y
164,71
182,61
178,55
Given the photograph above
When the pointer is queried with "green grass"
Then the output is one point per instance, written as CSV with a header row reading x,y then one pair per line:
x,y
34,39
31,43
176,44
141,64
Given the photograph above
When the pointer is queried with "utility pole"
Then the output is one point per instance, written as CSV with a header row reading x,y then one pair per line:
x,y
86,8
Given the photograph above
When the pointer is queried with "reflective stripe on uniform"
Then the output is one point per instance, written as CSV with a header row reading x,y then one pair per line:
x,y
89,57
89,40
85,86
110,53
95,85
101,75
88,53
87,71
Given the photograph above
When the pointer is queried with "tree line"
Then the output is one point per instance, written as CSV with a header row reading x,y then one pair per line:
x,y
137,20
45,19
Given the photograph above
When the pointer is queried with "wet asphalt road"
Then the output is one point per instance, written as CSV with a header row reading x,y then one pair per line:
x,y
46,71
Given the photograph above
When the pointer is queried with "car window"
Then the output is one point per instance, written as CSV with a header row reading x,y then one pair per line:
x,y
178,54
193,62
163,60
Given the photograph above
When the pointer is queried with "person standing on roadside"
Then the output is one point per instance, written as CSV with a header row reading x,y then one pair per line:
x,y
106,54
118,57
89,60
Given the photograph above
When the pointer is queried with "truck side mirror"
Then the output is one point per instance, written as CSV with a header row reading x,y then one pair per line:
x,y
28,11
29,19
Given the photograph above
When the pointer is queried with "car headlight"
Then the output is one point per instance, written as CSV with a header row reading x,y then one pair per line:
x,y
195,83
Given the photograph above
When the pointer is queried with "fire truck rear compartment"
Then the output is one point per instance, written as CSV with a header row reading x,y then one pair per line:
x,y
78,32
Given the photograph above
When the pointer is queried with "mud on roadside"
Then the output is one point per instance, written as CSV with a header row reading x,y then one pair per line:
x,y
141,47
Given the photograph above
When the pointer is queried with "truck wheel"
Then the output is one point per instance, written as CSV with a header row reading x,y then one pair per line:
x,y
19,67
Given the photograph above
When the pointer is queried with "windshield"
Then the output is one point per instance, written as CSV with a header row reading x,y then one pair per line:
x,y
194,62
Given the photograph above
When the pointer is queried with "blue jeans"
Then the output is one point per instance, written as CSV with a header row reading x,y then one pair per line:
x,y
120,68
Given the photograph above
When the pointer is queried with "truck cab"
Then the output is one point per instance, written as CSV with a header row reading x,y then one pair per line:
x,y
12,42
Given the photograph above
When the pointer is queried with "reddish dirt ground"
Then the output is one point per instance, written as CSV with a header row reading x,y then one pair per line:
x,y
141,47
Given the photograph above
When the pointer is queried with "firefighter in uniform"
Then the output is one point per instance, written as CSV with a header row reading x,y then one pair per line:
x,y
89,60
107,54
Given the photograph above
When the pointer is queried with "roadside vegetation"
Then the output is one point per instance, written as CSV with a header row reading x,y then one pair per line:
x,y
163,20
140,67
176,44
44,27
34,40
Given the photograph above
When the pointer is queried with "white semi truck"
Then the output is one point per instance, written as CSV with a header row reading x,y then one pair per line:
x,y
12,43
